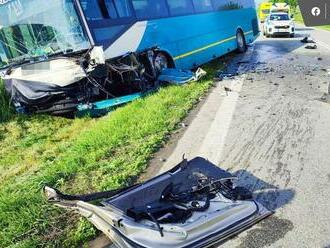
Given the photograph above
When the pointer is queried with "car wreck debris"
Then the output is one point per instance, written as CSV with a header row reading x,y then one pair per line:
x,y
170,210
227,90
311,47
59,85
307,40
87,83
179,77
224,76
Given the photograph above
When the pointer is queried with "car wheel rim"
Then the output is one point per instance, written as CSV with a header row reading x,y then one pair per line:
x,y
161,62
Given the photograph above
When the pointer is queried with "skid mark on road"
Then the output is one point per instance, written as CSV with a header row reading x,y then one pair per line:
x,y
275,145
280,138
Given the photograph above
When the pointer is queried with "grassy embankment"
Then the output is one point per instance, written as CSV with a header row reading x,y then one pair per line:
x,y
299,19
81,155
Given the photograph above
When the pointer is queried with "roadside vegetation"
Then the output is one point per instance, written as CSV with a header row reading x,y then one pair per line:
x,y
79,156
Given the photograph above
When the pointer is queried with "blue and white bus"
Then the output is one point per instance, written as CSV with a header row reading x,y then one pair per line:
x,y
50,50
191,32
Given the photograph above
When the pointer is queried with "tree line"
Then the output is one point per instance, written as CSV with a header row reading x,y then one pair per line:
x,y
292,3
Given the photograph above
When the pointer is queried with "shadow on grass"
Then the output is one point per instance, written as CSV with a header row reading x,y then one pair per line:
x,y
7,112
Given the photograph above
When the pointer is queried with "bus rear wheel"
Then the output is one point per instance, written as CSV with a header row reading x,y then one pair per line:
x,y
241,43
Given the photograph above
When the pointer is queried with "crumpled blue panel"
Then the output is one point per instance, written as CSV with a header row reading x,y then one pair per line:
x,y
176,76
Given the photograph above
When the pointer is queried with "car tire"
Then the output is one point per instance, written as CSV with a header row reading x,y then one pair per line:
x,y
292,35
240,41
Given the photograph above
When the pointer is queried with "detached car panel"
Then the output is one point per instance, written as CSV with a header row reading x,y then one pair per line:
x,y
193,205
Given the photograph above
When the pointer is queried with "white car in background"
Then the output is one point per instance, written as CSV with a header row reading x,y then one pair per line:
x,y
279,24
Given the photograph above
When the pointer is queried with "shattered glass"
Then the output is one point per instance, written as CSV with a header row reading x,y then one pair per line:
x,y
37,29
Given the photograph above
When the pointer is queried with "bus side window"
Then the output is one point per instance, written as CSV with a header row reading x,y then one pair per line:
x,y
92,10
180,7
111,9
202,5
145,9
218,4
123,8
118,8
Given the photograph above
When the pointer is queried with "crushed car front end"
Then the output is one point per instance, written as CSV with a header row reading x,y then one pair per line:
x,y
41,44
49,63
194,205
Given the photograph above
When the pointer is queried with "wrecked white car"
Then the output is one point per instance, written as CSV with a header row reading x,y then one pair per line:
x,y
196,204
50,63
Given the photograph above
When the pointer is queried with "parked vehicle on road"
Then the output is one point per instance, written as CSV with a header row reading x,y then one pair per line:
x,y
60,54
264,11
279,24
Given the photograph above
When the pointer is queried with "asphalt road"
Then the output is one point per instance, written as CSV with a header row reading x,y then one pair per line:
x,y
273,130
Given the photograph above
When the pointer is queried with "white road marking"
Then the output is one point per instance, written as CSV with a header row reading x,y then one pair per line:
x,y
212,147
207,133
324,45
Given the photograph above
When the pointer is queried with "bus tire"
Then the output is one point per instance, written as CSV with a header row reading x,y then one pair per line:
x,y
241,43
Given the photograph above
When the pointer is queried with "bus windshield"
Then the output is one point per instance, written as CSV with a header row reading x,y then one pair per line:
x,y
38,28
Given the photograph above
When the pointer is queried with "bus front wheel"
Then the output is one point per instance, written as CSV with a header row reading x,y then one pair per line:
x,y
161,61
241,43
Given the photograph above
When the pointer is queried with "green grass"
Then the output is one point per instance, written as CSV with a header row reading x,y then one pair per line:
x,y
299,19
81,155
